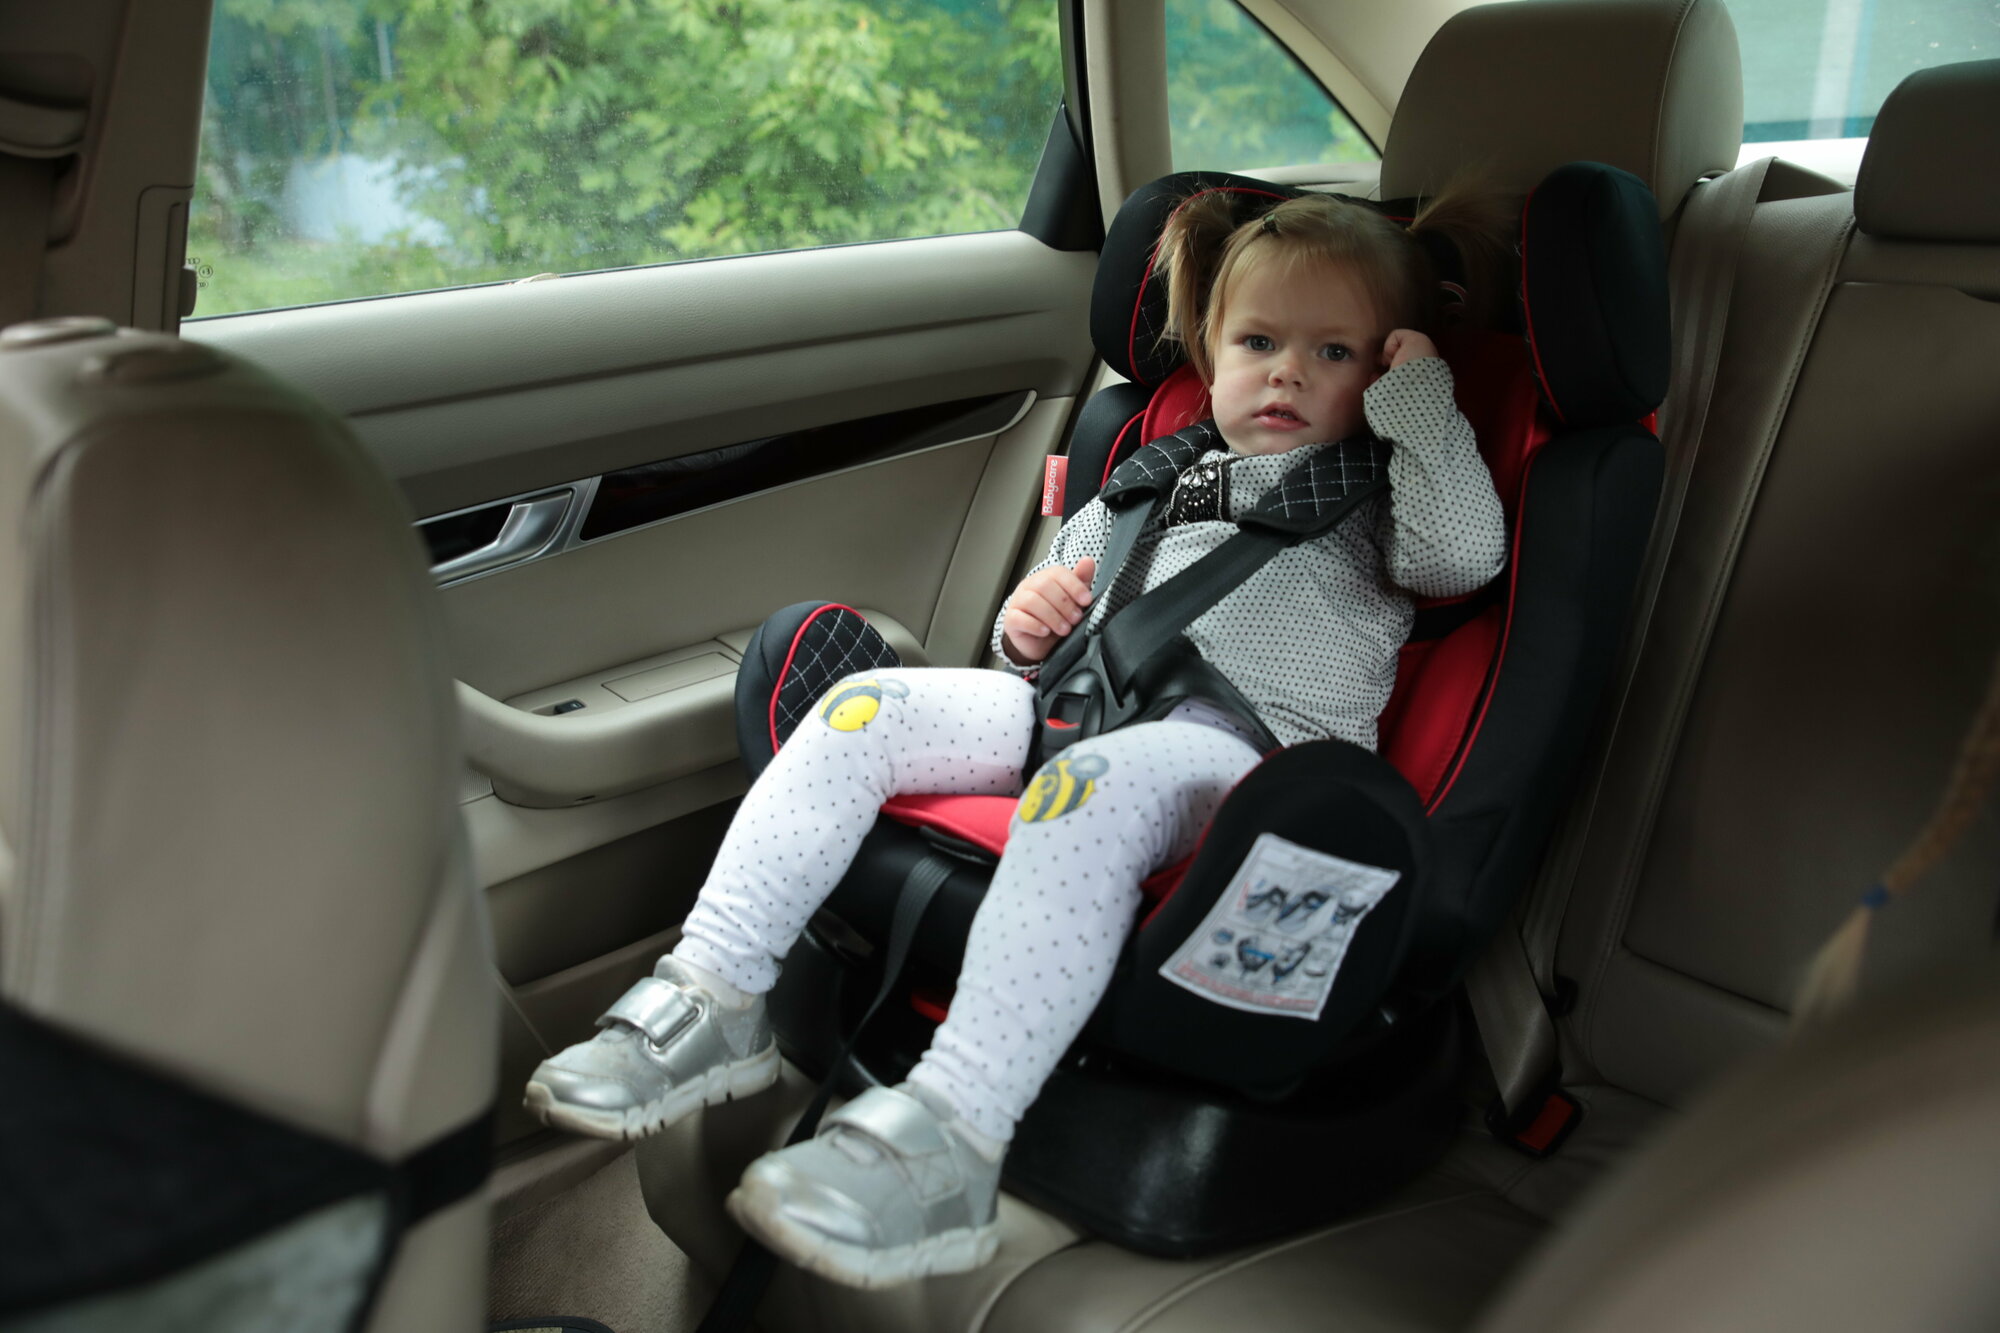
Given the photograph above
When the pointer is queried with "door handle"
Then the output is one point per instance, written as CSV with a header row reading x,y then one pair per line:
x,y
530,525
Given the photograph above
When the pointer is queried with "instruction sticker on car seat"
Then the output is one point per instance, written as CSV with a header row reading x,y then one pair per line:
x,y
1274,940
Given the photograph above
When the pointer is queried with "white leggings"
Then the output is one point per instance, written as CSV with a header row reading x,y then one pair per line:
x,y
1062,900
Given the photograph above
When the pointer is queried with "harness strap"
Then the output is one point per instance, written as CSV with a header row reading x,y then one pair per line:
x,y
1153,620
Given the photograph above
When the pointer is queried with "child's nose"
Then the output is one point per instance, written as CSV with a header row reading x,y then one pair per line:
x,y
1285,370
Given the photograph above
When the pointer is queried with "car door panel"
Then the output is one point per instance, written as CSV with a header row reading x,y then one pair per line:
x,y
947,366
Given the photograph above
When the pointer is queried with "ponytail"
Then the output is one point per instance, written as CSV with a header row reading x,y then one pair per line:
x,y
1190,256
1475,226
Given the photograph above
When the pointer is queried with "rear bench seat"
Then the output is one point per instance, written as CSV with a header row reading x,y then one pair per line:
x,y
1777,744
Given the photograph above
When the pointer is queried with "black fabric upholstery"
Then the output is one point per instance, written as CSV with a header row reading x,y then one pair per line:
x,y
1594,288
1584,521
113,1176
1128,302
1327,795
797,654
1108,425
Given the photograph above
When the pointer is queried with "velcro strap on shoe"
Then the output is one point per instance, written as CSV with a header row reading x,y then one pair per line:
x,y
896,1120
655,1007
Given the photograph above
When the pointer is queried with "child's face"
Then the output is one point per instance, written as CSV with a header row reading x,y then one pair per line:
x,y
1294,350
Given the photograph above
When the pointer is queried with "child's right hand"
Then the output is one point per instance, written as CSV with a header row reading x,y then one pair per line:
x,y
1047,605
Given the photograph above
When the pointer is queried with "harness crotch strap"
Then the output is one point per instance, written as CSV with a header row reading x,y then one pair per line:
x,y
1138,663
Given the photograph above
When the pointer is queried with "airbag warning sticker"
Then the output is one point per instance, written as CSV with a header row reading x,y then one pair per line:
x,y
1274,941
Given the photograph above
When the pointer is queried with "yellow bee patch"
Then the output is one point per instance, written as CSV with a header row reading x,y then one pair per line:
x,y
1063,785
853,704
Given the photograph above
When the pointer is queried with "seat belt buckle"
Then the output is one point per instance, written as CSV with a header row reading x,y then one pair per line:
x,y
1541,1127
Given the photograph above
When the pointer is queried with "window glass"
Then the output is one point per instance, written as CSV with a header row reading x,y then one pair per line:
x,y
365,147
1821,69
1237,100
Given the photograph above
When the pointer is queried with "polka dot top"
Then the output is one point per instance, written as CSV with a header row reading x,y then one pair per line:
x,y
1311,638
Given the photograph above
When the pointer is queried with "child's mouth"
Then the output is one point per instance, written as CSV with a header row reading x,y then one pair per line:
x,y
1279,418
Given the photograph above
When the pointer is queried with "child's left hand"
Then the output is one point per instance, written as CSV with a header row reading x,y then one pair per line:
x,y
1405,345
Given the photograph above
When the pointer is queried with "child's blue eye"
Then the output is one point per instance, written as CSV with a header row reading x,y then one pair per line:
x,y
1335,352
1257,342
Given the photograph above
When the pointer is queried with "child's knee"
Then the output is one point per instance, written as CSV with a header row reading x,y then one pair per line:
x,y
1061,788
857,702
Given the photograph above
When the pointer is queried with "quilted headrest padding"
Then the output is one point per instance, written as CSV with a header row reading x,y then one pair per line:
x,y
1594,294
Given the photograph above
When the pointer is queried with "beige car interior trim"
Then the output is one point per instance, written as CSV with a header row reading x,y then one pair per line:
x,y
464,397
606,604
1844,1182
551,761
1125,60
1360,50
975,582
679,721
567,533
132,74
511,840
1364,104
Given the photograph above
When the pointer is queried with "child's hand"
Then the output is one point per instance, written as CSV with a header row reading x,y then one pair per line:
x,y
1405,345
1046,606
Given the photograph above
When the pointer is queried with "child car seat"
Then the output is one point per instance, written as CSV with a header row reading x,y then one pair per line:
x,y
1180,1125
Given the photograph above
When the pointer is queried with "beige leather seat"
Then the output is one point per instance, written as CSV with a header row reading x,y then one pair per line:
x,y
231,848
1849,1184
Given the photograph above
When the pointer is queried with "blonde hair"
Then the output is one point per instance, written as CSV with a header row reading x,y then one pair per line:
x,y
1204,253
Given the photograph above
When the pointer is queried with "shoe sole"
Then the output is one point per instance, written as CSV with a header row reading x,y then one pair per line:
x,y
754,1206
724,1083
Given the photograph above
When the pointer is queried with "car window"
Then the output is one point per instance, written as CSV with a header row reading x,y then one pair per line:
x,y
1815,72
1238,100
357,148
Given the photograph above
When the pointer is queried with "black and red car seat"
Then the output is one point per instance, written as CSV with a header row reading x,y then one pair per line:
x,y
1160,1130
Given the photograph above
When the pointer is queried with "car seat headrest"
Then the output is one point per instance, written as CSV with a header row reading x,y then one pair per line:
x,y
1510,92
1593,294
1128,298
1932,168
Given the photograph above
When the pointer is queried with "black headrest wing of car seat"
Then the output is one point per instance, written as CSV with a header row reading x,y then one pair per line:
x,y
1594,294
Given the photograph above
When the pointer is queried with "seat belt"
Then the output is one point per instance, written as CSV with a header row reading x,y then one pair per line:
x,y
26,186
1509,985
754,1266
1097,680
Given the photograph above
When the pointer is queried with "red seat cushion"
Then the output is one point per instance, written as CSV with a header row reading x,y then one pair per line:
x,y
984,821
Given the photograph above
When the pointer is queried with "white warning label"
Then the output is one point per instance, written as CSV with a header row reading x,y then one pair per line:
x,y
1274,941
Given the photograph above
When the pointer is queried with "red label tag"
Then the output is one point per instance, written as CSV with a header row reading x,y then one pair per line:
x,y
1055,479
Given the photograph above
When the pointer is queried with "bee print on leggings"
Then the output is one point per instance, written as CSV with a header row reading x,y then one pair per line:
x,y
1063,785
854,704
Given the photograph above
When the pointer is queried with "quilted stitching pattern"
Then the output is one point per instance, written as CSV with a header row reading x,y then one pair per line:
x,y
834,644
1326,478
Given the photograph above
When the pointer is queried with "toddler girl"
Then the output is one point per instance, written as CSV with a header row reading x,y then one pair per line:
x,y
1306,326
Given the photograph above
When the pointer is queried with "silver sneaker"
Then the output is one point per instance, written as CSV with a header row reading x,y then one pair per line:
x,y
667,1048
887,1192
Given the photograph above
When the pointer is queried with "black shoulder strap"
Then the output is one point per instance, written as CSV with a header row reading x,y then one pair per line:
x,y
1309,501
